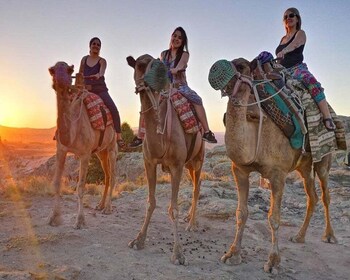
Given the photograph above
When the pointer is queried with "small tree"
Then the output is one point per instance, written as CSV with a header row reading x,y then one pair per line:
x,y
127,133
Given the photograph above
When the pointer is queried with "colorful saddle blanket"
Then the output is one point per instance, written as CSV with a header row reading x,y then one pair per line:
x,y
280,103
186,113
291,106
96,109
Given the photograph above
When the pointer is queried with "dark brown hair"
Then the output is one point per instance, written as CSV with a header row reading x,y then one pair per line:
x,y
93,39
183,47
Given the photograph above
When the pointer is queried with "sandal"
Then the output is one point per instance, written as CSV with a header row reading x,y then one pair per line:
x,y
121,143
329,124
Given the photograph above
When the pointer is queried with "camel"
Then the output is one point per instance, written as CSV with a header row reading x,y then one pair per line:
x,y
171,149
76,135
273,158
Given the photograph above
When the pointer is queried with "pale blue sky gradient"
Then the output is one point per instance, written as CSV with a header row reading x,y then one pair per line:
x,y
36,34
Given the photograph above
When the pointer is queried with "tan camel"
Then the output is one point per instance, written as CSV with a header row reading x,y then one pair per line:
x,y
274,159
76,135
171,149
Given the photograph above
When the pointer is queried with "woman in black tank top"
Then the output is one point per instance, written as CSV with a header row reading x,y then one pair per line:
x,y
290,51
93,68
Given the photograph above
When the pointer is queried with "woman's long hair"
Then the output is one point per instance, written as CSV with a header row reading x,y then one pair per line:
x,y
182,48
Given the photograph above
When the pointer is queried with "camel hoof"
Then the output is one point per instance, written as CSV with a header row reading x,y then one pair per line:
x,y
268,268
136,244
192,227
99,207
80,223
55,220
330,239
297,239
179,259
231,260
107,211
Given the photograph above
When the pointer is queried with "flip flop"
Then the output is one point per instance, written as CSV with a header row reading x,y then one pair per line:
x,y
329,124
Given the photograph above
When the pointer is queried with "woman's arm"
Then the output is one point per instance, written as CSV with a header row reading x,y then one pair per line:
x,y
81,68
103,67
182,65
299,40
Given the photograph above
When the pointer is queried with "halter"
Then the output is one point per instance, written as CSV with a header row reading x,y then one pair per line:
x,y
238,103
142,86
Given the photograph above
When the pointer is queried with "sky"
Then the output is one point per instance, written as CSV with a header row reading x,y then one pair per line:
x,y
35,34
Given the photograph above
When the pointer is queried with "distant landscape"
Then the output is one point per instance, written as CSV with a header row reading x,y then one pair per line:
x,y
26,135
45,135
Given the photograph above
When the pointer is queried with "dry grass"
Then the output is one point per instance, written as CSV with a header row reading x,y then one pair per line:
x,y
33,185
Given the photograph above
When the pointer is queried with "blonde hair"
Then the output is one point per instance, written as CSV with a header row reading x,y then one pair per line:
x,y
296,12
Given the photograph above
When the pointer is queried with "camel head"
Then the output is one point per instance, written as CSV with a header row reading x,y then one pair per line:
x,y
61,76
149,73
227,76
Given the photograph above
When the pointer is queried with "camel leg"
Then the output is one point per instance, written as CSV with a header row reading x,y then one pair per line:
x,y
151,172
191,216
173,210
323,172
277,188
309,187
104,164
84,162
242,182
110,173
55,218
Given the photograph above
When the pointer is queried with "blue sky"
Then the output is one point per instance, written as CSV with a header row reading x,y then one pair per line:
x,y
36,34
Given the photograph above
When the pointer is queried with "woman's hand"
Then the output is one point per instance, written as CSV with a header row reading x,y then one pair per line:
x,y
93,77
280,54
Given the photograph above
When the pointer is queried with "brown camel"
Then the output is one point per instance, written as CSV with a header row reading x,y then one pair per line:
x,y
170,149
76,135
273,158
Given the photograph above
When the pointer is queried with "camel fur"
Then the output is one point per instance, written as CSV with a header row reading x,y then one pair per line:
x,y
274,159
76,135
171,150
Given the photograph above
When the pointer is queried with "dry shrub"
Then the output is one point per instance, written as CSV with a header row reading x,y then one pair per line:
x,y
125,187
33,185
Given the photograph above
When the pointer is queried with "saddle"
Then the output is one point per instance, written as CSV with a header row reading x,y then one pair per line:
x,y
281,101
99,115
186,113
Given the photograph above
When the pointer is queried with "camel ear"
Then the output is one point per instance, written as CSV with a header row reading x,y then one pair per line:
x,y
70,69
131,61
253,64
52,70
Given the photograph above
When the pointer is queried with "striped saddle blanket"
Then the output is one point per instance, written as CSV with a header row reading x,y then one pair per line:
x,y
295,112
99,115
186,113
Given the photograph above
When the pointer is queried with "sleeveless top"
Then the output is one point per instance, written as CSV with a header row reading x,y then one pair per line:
x,y
180,77
292,58
99,85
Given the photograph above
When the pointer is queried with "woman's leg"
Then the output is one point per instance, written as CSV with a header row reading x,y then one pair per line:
x,y
208,135
317,93
108,101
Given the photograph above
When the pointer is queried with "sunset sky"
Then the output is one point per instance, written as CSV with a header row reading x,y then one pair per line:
x,y
36,34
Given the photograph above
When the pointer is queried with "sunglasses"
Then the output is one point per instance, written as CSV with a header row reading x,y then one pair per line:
x,y
289,16
96,44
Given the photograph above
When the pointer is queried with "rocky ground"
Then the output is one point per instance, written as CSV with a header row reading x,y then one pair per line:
x,y
31,249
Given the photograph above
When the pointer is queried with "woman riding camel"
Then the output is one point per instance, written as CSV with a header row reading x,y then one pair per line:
x,y
290,51
176,59
93,68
